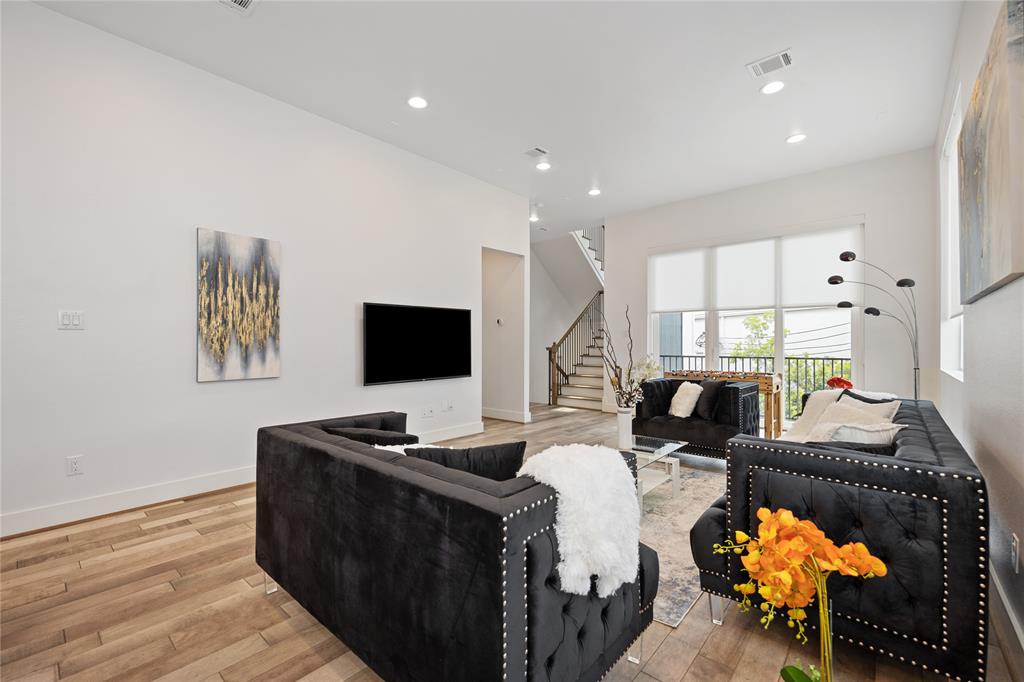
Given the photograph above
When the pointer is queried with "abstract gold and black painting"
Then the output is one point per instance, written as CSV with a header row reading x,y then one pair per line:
x,y
238,310
991,155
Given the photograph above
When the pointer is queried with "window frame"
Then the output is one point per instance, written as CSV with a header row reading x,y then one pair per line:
x,y
951,337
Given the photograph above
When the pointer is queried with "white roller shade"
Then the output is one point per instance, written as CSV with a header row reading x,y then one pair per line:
x,y
745,275
809,259
677,281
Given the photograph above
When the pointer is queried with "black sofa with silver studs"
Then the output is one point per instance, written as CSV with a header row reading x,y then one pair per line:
x,y
923,511
430,573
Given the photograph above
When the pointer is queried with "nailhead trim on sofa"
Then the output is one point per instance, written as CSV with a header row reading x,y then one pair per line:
x,y
982,548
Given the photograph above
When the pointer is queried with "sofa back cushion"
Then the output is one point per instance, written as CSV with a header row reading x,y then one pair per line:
x,y
373,436
497,462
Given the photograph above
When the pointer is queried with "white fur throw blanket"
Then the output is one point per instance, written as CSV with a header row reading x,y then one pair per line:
x,y
597,521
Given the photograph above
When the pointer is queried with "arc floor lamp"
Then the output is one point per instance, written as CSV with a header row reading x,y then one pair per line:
x,y
906,309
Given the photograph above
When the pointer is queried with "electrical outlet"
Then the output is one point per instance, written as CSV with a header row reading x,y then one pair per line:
x,y
1015,552
70,320
427,412
74,464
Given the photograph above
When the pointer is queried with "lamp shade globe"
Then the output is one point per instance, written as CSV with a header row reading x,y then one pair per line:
x,y
847,256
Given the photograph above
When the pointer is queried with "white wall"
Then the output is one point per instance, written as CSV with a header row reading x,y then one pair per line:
x,y
550,317
505,343
986,405
894,197
113,155
569,269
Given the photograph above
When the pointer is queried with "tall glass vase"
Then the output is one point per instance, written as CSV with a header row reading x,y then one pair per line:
x,y
625,422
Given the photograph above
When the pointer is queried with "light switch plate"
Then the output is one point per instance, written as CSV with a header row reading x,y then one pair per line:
x,y
70,320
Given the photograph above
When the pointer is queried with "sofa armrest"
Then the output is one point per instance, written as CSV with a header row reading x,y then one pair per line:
x,y
738,405
927,523
658,395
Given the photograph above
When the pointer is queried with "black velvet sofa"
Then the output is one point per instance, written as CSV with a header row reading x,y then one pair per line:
x,y
923,511
428,572
737,412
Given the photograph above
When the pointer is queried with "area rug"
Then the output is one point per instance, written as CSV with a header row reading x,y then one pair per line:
x,y
665,527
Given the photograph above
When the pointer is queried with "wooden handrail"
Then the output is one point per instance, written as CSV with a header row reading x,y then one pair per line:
x,y
575,322
575,343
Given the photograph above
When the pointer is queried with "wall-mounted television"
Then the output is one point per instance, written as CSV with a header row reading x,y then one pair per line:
x,y
415,343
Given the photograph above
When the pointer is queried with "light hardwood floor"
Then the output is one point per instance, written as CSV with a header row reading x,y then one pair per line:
x,y
172,592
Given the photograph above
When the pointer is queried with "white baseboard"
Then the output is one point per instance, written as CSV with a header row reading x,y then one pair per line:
x,y
507,415
451,432
75,510
1012,650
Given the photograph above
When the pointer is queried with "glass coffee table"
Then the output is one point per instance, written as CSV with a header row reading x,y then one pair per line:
x,y
655,464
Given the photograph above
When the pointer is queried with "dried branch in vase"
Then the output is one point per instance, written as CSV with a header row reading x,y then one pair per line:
x,y
626,382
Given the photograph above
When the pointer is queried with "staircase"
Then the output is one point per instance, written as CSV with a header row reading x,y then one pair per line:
x,y
576,367
591,242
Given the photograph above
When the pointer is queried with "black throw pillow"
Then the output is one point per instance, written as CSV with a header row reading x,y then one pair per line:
x,y
707,403
374,436
864,399
497,462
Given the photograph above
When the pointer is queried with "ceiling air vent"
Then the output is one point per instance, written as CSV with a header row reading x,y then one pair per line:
x,y
776,62
537,152
240,6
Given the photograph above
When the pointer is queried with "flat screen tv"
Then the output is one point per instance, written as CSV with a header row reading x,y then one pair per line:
x,y
415,343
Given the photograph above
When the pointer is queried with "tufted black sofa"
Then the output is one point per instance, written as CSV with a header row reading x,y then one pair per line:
x,y
923,511
737,412
431,573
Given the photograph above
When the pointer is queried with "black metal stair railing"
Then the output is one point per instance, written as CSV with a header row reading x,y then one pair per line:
x,y
584,337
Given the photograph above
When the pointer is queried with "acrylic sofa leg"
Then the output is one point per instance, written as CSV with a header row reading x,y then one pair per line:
x,y
636,650
717,608
269,586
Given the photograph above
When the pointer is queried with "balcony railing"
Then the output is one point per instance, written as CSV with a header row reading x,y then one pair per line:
x,y
802,374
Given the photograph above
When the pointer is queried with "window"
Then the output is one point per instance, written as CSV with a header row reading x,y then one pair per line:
x,y
760,306
680,338
951,333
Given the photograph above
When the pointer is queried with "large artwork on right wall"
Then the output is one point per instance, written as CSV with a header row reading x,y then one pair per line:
x,y
992,164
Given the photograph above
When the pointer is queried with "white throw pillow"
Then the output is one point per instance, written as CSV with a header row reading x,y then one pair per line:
x,y
873,434
816,404
685,399
886,411
874,395
844,414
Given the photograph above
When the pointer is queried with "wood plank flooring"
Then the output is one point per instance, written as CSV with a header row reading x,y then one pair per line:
x,y
172,592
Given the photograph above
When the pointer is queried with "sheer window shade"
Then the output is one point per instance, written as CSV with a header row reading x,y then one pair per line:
x,y
808,260
745,276
677,281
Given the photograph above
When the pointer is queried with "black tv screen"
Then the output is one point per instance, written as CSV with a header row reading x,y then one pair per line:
x,y
415,343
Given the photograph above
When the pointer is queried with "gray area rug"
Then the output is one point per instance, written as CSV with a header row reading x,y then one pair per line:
x,y
665,527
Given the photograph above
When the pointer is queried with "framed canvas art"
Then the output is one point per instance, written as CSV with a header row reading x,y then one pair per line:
x,y
991,155
238,307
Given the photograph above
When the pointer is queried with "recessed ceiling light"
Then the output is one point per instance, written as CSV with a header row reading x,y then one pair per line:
x,y
543,165
594,192
534,217
772,88
417,103
795,138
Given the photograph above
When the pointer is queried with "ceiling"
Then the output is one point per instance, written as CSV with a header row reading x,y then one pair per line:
x,y
650,102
